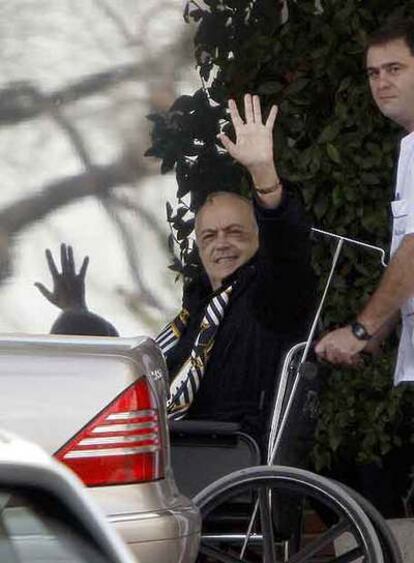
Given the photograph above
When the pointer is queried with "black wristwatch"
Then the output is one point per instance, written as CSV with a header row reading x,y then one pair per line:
x,y
359,331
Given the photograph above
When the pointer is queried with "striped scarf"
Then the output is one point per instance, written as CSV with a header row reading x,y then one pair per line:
x,y
185,384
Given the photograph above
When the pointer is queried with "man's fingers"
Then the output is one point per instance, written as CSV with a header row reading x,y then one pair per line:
x,y
234,114
227,143
70,261
63,258
328,352
270,121
337,358
320,347
248,109
257,110
45,292
84,267
334,356
51,264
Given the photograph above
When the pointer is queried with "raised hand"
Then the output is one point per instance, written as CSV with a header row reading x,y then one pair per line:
x,y
254,139
68,291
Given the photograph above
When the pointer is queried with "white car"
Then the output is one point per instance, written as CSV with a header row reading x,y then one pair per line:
x,y
46,515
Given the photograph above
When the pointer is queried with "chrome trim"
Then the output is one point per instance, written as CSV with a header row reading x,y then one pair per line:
x,y
175,511
126,415
378,249
77,454
134,516
117,439
277,414
103,428
234,538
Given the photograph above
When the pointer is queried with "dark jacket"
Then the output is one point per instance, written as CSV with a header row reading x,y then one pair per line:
x,y
268,312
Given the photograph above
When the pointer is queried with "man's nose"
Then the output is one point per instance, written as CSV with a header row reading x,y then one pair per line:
x,y
221,241
383,80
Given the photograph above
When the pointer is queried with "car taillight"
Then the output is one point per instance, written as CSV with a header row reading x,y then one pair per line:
x,y
122,444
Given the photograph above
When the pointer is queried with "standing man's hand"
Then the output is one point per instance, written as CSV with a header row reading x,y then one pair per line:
x,y
340,346
254,148
68,291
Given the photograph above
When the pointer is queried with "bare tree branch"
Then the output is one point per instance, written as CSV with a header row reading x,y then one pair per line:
x,y
150,219
129,245
117,20
21,101
97,182
75,138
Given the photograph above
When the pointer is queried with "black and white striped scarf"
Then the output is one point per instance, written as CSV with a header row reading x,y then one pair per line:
x,y
185,384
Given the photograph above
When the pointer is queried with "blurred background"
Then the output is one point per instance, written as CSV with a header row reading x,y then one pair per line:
x,y
78,78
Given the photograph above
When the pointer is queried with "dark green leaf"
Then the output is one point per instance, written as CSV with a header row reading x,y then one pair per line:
x,y
333,153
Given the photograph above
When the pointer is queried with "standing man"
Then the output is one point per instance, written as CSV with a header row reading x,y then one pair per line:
x,y
390,68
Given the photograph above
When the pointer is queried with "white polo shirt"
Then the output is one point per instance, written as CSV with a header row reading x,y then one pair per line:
x,y
403,224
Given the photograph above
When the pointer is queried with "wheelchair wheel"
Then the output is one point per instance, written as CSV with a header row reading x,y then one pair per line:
x,y
241,512
390,547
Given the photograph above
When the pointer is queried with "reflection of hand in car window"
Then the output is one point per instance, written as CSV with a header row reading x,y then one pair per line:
x,y
68,294
68,291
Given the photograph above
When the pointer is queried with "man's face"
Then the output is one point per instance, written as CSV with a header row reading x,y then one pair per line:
x,y
227,236
390,70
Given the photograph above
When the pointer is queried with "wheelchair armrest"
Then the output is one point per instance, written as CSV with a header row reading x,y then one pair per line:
x,y
203,427
218,447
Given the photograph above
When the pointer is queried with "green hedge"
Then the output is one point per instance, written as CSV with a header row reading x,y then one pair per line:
x,y
329,139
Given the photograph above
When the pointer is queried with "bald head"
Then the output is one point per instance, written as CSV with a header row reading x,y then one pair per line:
x,y
227,234
230,198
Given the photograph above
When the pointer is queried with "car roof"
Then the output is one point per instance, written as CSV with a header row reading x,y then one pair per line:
x,y
37,469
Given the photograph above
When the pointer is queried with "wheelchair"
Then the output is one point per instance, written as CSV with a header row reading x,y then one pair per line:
x,y
255,506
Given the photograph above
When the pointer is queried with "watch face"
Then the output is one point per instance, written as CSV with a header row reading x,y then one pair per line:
x,y
359,331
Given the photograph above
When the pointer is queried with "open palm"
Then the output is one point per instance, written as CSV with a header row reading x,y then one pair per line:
x,y
68,292
254,139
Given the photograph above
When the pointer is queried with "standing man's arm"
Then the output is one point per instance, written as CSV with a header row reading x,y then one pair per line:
x,y
374,345
396,286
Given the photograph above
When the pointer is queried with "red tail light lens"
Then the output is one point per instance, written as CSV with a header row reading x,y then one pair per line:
x,y
120,445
